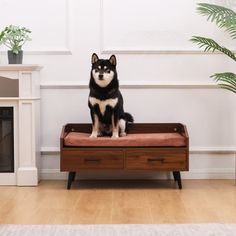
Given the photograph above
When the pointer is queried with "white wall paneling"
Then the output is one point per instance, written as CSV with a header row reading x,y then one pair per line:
x,y
48,20
155,26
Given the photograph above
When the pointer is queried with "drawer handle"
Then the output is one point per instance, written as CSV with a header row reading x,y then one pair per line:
x,y
155,159
92,160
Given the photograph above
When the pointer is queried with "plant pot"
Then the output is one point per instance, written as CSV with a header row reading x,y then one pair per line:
x,y
14,58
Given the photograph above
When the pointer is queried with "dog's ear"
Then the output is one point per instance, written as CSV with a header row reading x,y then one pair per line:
x,y
112,60
94,58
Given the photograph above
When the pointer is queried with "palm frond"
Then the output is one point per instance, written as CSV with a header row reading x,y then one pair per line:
x,y
211,45
222,16
226,80
232,31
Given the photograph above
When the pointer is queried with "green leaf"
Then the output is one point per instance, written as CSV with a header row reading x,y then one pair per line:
x,y
226,80
230,88
210,45
222,16
14,37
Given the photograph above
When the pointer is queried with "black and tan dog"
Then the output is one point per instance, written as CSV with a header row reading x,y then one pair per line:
x,y
105,100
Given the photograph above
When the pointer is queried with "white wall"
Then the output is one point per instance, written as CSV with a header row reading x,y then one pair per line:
x,y
163,76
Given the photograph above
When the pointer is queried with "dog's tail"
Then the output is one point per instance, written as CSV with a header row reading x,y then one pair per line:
x,y
128,117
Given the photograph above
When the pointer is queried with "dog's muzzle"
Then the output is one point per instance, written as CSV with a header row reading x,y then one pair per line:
x,y
100,77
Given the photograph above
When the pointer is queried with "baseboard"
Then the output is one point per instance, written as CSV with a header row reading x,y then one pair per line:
x,y
213,173
52,174
192,150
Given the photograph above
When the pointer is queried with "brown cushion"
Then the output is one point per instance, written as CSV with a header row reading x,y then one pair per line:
x,y
148,139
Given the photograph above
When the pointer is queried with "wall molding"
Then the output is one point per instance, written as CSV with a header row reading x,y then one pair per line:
x,y
116,50
193,150
132,85
64,85
59,51
159,52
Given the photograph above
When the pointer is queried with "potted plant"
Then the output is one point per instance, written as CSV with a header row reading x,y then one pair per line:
x,y
224,18
14,37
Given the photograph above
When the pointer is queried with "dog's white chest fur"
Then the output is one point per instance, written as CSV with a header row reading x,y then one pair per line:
x,y
103,103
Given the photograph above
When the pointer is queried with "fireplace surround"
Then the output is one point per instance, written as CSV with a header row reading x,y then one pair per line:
x,y
20,117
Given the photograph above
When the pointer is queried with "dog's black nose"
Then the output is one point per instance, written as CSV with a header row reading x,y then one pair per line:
x,y
100,76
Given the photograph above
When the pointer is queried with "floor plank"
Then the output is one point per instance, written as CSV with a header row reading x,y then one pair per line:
x,y
119,202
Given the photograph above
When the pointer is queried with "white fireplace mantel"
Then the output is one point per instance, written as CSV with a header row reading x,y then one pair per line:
x,y
20,89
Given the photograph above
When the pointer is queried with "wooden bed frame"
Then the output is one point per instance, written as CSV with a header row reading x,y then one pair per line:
x,y
153,158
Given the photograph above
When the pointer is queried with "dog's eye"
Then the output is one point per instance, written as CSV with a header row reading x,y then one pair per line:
x,y
108,71
96,70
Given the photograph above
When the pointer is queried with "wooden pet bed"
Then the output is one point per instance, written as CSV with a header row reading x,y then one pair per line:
x,y
149,147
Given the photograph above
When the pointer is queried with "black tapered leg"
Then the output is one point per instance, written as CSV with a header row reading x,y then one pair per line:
x,y
71,178
177,177
174,174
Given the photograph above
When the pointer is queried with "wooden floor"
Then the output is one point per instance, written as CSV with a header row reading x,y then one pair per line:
x,y
96,202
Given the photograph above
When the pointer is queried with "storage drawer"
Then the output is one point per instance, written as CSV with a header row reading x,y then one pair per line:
x,y
169,159
92,159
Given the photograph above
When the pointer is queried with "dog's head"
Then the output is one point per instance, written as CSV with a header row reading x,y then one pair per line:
x,y
103,71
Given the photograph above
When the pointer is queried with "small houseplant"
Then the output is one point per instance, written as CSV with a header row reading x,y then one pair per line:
x,y
224,18
14,37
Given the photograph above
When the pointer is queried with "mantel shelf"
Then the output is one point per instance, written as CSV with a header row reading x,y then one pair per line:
x,y
20,67
18,98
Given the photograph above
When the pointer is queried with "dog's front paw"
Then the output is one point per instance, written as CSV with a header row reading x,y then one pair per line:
x,y
115,135
94,135
123,134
